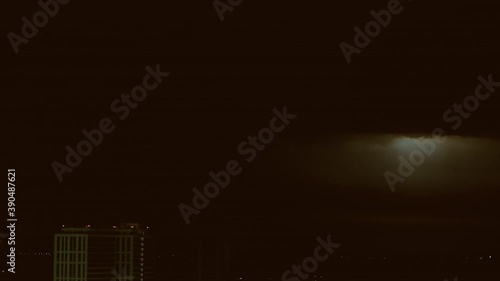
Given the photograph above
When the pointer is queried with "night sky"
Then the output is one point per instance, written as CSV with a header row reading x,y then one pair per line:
x,y
323,174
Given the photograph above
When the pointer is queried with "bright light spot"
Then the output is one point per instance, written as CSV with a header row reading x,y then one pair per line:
x,y
404,143
408,144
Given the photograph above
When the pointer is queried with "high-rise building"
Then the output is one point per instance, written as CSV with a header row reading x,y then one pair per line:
x,y
120,253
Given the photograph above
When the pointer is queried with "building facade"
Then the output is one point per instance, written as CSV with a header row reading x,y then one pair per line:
x,y
121,253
